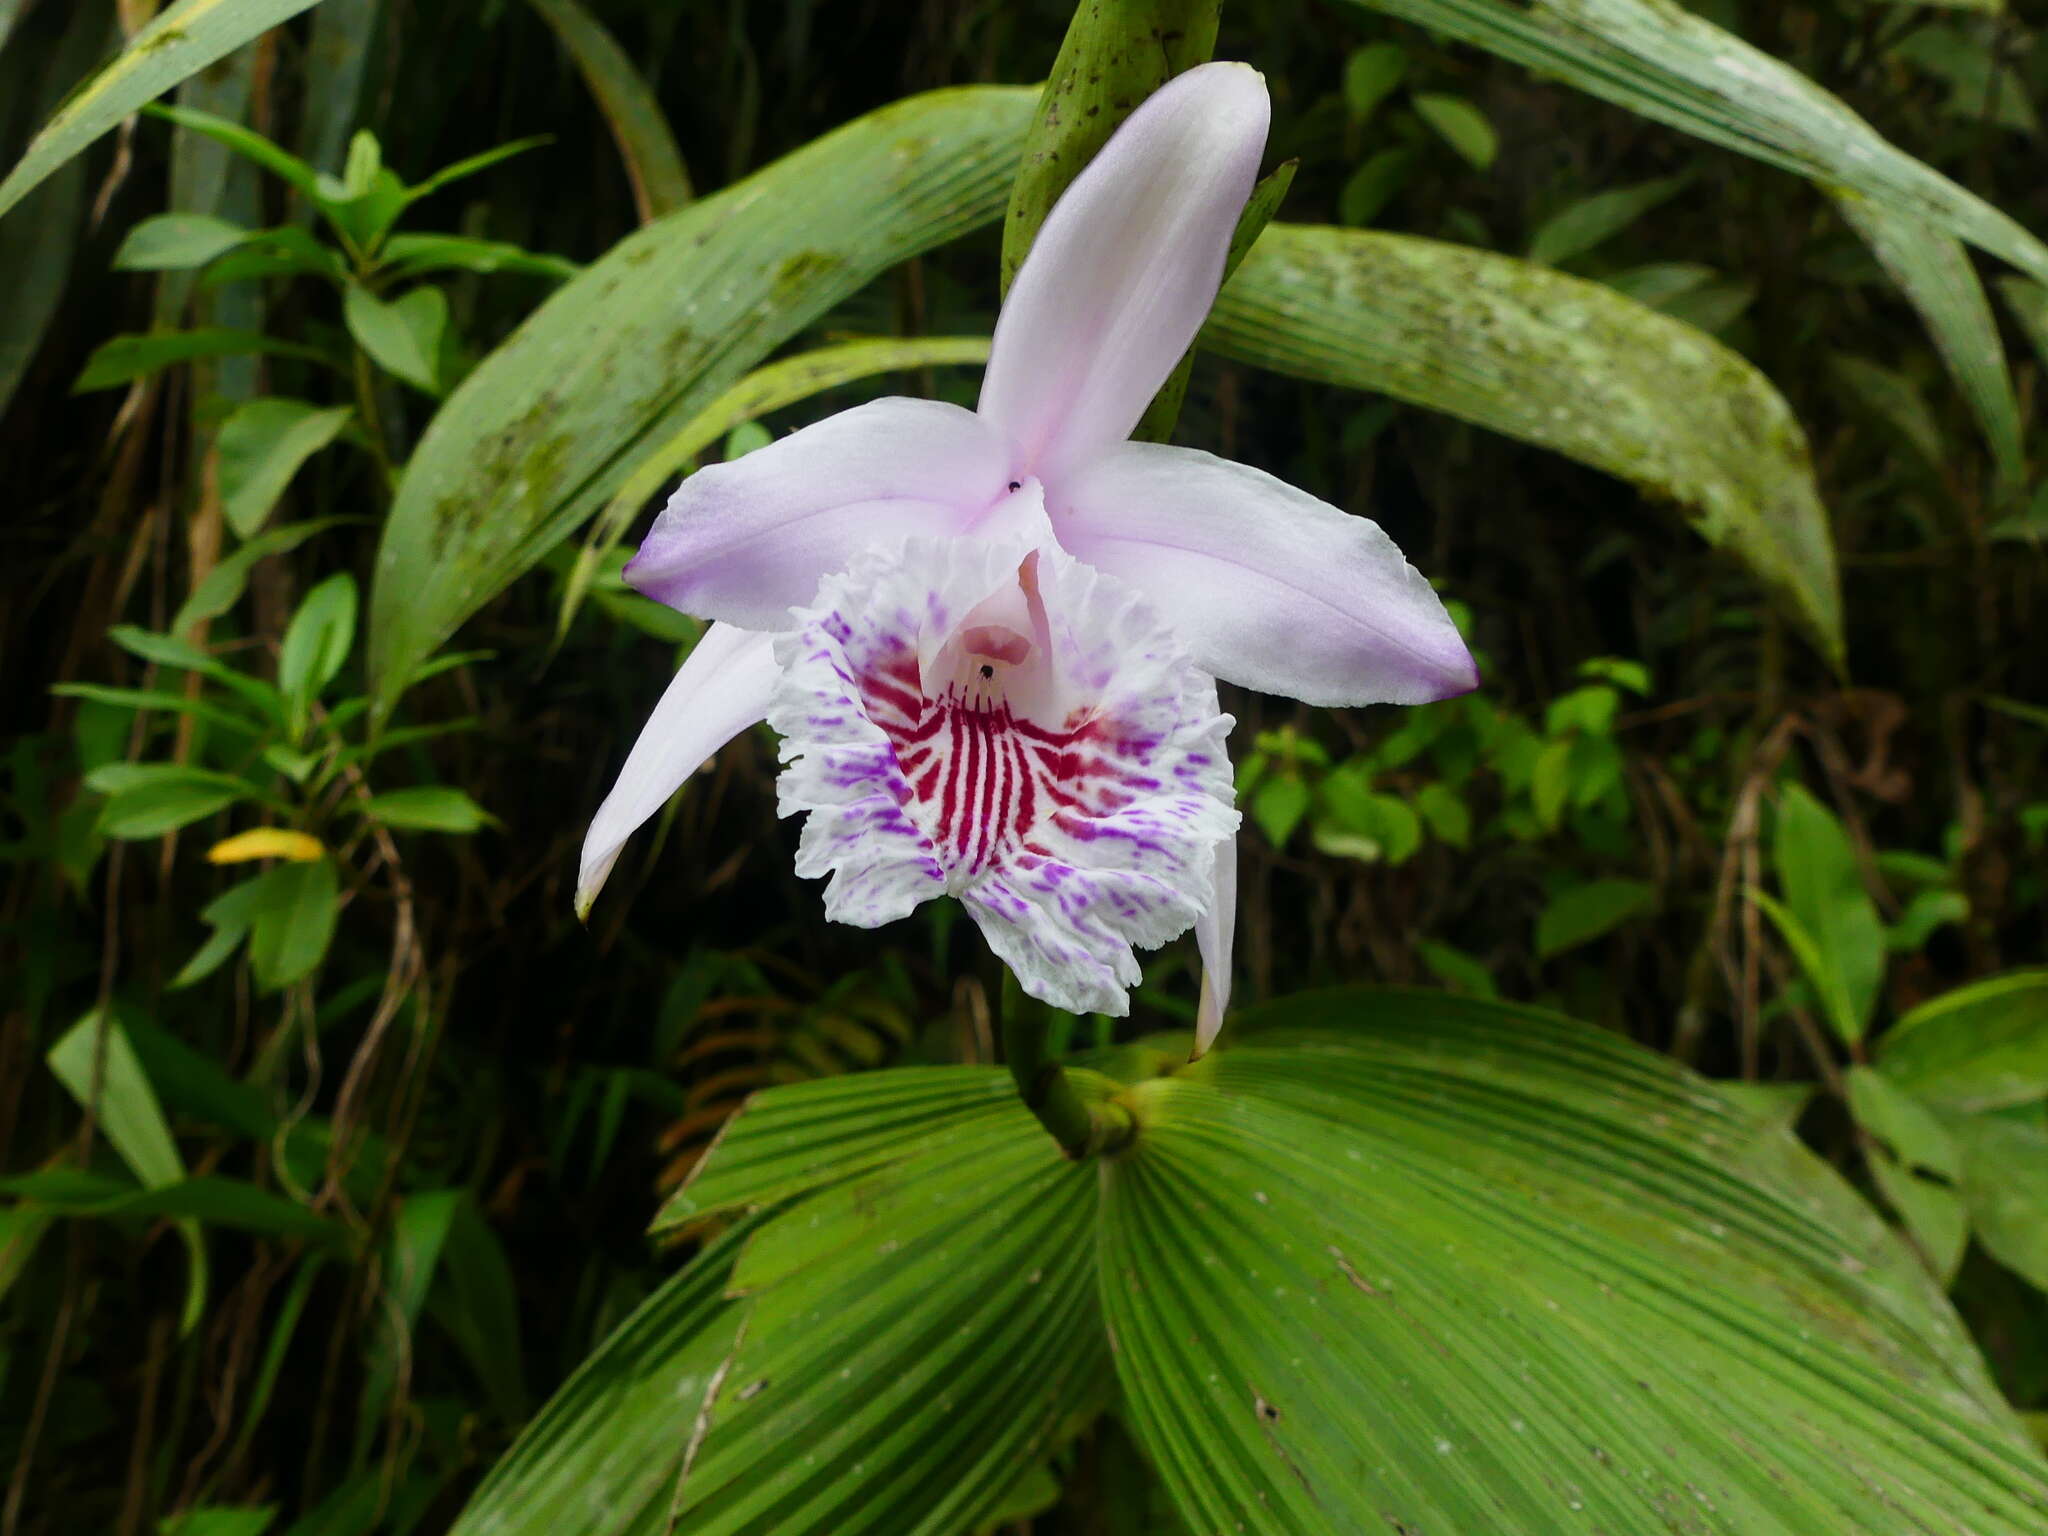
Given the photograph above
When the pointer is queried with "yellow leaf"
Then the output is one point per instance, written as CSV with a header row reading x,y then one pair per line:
x,y
266,843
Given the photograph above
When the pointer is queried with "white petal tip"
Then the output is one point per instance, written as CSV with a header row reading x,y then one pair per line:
x,y
590,881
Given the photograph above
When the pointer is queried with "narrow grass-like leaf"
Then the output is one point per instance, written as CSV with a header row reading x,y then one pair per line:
x,y
180,42
626,353
1565,364
653,161
1664,61
1933,270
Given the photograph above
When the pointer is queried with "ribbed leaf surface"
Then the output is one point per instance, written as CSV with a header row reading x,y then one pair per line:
x,y
1433,1265
1553,360
1395,1262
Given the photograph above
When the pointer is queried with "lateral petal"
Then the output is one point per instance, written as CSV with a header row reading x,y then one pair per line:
x,y
1124,270
1269,587
745,542
718,692
1215,937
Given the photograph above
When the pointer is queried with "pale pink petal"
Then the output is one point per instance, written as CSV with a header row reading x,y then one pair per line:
x,y
989,719
746,542
720,690
1124,269
1215,936
1269,587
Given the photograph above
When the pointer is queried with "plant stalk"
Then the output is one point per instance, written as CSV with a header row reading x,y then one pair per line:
x,y
1083,1129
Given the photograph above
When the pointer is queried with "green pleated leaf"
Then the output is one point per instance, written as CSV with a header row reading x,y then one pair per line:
x,y
1409,1263
1657,58
551,423
604,1452
916,1340
787,1143
1553,360
905,1346
181,41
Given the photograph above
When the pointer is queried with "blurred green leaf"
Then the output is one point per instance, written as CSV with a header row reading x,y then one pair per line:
x,y
1897,403
127,358
317,642
182,40
219,1520
1279,804
1579,914
1592,221
481,1309
1823,888
653,161
1461,125
177,241
2005,1187
627,352
1906,1126
261,446
2028,300
1979,1047
412,1254
427,808
246,142
1456,969
1370,76
97,1064
1565,364
1926,912
292,921
409,256
222,587
1374,184
166,802
402,337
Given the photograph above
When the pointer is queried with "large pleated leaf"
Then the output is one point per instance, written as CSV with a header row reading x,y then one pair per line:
x,y
1394,1261
1413,1263
901,1342
1657,58
179,43
1556,361
625,354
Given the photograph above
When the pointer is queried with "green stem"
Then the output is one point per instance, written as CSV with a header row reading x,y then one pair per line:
x,y
1082,1129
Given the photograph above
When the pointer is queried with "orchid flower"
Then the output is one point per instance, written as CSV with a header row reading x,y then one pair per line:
x,y
990,639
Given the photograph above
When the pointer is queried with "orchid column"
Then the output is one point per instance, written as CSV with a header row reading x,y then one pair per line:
x,y
990,639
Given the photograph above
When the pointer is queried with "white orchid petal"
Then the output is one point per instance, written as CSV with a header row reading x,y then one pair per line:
x,y
1124,270
991,719
718,692
1216,936
1269,587
745,542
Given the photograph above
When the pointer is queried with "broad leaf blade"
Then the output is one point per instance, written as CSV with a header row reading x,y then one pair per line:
x,y
1550,359
1980,1047
179,43
1431,1264
550,424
